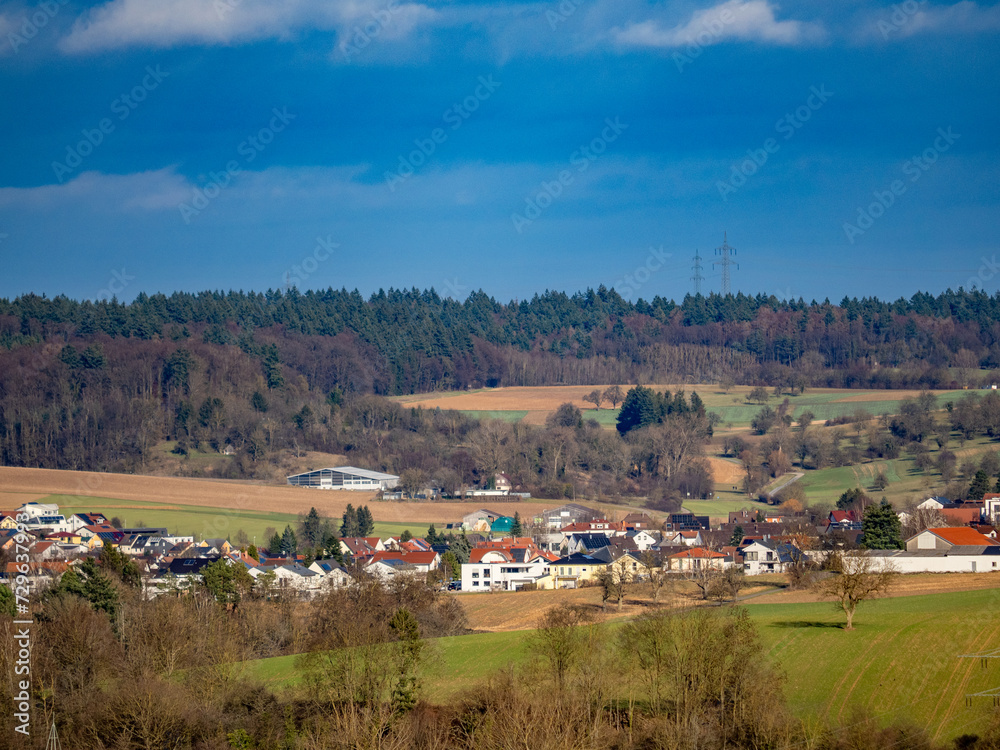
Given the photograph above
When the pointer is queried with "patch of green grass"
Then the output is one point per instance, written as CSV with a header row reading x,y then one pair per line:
x,y
901,663
721,508
509,416
204,523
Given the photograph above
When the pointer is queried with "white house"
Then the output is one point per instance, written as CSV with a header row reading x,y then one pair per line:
x,y
767,557
52,523
334,575
677,538
643,539
502,570
34,509
387,569
934,503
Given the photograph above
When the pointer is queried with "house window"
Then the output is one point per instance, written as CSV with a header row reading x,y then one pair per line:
x,y
475,575
475,583
486,574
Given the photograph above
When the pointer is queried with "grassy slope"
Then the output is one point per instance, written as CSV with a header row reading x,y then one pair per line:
x,y
900,663
202,522
509,416
733,407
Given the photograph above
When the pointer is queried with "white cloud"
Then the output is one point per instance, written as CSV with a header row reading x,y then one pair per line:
x,y
168,23
742,20
964,17
153,190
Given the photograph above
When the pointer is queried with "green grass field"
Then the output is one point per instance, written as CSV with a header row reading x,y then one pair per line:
x,y
508,416
734,409
901,663
721,508
201,522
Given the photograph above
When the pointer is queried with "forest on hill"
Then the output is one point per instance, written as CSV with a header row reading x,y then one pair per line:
x,y
408,341
101,386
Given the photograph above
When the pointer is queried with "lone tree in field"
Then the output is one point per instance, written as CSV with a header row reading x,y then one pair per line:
x,y
858,578
595,397
615,395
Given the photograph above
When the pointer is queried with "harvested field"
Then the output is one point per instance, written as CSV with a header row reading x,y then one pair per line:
x,y
911,584
250,496
530,399
725,471
12,500
878,396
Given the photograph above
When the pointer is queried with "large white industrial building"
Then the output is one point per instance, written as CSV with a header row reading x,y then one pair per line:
x,y
345,478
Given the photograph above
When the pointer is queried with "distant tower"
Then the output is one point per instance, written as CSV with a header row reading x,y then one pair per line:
x,y
697,278
725,261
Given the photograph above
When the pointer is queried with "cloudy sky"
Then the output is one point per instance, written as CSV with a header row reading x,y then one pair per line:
x,y
160,145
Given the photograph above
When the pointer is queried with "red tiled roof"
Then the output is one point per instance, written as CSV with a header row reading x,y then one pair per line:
x,y
414,558
698,552
963,535
477,555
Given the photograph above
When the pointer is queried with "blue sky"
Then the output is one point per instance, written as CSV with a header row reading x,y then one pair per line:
x,y
846,148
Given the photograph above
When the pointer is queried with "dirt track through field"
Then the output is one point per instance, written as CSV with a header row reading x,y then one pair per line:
x,y
247,496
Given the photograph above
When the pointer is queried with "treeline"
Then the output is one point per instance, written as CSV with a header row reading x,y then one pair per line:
x,y
405,341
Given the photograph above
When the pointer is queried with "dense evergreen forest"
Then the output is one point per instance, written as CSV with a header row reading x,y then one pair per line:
x,y
410,341
96,385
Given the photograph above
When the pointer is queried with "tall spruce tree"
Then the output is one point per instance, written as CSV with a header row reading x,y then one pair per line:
x,y
881,528
349,527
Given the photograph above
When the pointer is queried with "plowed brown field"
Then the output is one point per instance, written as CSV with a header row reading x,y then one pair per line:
x,y
208,493
531,399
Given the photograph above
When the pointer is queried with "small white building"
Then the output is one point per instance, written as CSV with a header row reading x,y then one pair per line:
x,y
958,559
344,478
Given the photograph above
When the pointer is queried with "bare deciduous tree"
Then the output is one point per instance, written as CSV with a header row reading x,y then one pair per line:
x,y
595,397
615,395
857,578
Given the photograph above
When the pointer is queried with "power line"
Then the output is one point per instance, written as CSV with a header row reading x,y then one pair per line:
x,y
697,278
725,260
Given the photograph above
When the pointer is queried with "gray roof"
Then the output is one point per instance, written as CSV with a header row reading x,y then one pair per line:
x,y
352,470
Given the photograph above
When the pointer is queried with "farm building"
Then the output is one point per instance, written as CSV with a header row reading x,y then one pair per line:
x,y
557,518
344,478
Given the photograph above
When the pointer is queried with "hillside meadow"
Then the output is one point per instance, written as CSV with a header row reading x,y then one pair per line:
x,y
534,404
903,663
